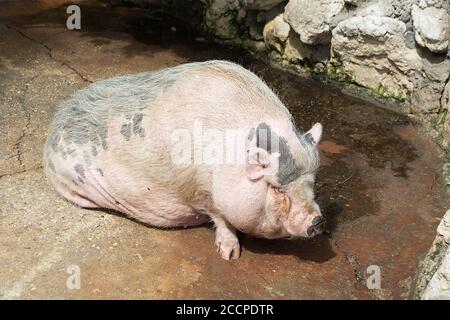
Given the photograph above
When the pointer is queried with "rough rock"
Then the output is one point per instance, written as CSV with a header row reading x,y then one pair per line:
x,y
445,100
382,8
402,9
431,3
429,82
439,286
261,4
276,33
444,227
371,52
432,28
313,20
445,134
295,50
221,16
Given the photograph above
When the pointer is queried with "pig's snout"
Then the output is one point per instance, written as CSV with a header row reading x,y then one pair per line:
x,y
316,226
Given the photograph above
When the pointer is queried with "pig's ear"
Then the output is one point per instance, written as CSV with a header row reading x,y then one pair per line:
x,y
314,134
260,163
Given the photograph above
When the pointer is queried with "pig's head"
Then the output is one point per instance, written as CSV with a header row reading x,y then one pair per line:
x,y
288,171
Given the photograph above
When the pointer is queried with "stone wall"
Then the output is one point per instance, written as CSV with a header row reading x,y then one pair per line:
x,y
433,277
398,50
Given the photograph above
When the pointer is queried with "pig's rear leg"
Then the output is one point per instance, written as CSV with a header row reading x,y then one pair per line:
x,y
227,243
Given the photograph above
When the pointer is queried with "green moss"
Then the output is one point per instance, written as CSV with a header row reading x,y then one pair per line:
x,y
441,116
386,93
336,71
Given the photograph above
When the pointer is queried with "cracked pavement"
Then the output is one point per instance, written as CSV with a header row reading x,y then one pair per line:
x,y
379,183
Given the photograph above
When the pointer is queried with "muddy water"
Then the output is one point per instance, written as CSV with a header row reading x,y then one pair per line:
x,y
378,185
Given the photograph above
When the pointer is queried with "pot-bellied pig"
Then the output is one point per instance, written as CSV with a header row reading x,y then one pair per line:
x,y
186,145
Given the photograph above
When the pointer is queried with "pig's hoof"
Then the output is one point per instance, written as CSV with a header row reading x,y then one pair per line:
x,y
228,248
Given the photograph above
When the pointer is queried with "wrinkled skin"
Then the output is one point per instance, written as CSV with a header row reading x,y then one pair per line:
x,y
110,146
294,207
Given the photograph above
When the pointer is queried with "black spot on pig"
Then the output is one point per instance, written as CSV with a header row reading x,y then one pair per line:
x,y
141,132
80,170
288,169
80,127
94,151
77,127
251,134
103,133
133,126
137,120
309,138
71,152
100,171
125,130
87,159
270,141
94,137
81,180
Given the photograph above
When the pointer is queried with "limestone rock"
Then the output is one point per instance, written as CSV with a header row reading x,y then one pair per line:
x,y
445,107
382,8
431,3
439,286
220,17
432,27
313,20
276,33
445,100
444,227
402,9
295,50
371,51
429,82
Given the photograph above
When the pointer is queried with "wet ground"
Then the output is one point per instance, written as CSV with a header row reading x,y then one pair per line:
x,y
378,185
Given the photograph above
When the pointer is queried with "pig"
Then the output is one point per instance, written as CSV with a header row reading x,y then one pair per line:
x,y
110,145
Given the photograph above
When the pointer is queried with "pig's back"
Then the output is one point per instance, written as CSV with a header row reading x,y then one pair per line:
x,y
221,94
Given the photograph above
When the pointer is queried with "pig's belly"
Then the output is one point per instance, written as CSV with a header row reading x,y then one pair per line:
x,y
93,189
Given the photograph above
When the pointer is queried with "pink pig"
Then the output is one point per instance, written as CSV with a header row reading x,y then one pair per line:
x,y
116,144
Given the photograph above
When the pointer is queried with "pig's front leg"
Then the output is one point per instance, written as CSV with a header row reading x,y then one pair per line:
x,y
227,243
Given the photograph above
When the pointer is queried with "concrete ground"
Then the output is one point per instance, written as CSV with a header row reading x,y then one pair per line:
x,y
378,186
